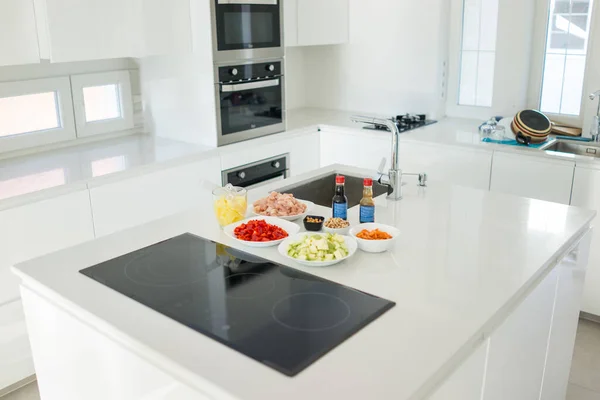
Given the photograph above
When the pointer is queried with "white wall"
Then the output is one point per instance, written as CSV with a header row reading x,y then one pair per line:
x,y
295,78
513,57
393,62
47,70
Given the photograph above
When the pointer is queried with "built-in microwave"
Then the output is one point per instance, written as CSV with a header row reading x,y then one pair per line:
x,y
250,100
247,29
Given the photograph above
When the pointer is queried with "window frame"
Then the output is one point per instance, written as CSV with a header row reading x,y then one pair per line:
x,y
453,106
66,131
536,75
123,81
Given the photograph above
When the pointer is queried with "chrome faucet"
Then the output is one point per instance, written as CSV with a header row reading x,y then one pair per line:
x,y
394,176
595,131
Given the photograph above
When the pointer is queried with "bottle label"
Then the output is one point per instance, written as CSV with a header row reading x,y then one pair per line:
x,y
340,210
367,214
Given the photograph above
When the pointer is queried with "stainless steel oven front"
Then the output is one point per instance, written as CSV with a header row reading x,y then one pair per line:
x,y
250,100
246,29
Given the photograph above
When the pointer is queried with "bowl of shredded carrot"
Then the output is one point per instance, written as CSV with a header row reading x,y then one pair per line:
x,y
374,237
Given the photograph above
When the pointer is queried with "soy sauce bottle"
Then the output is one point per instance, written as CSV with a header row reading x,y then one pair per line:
x,y
340,201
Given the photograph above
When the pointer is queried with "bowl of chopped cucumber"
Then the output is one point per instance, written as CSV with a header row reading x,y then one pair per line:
x,y
319,250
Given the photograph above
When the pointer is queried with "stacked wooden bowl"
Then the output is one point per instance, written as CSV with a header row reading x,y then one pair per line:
x,y
531,126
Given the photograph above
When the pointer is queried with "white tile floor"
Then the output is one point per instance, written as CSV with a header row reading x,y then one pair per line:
x,y
584,381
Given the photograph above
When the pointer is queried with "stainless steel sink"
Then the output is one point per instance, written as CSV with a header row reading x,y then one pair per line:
x,y
573,147
320,191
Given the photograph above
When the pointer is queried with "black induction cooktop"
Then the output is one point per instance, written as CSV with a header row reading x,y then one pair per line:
x,y
279,316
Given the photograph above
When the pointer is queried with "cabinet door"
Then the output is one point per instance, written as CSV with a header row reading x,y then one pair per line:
x,y
15,354
466,382
166,27
533,177
18,33
517,352
571,276
323,22
134,201
90,29
290,22
39,228
350,149
586,193
458,166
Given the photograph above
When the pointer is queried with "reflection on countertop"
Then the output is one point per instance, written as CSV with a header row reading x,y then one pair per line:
x,y
129,155
82,163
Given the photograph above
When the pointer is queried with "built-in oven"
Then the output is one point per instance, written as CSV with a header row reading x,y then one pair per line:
x,y
259,173
250,100
246,29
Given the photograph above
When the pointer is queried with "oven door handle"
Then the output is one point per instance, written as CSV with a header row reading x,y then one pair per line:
x,y
274,179
250,85
262,2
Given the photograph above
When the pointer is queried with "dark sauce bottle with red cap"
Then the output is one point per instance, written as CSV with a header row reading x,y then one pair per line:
x,y
340,201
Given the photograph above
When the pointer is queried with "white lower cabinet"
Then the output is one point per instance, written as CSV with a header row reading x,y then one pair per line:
x,y
77,362
350,149
40,228
517,353
466,382
27,232
16,361
531,176
304,152
528,357
586,193
466,167
459,166
137,200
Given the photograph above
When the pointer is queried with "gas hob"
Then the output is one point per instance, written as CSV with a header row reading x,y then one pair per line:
x,y
405,122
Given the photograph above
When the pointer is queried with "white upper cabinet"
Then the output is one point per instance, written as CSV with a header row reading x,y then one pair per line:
x,y
18,34
165,27
76,30
316,22
290,22
534,177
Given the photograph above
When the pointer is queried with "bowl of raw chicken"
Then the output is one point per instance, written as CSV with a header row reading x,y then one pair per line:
x,y
282,205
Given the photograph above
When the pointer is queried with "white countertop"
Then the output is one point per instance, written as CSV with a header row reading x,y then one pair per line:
x,y
54,171
464,259
49,173
461,132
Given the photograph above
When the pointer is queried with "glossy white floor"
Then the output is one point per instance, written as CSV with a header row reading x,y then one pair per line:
x,y
585,372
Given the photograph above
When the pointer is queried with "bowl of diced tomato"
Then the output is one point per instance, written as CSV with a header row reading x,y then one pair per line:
x,y
261,231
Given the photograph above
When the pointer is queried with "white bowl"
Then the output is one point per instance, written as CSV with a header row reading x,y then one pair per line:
x,y
283,248
375,246
340,231
290,227
309,206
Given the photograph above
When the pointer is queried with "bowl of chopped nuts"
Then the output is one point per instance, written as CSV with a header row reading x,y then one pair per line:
x,y
313,223
337,225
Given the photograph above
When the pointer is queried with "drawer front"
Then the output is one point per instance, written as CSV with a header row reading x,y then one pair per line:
x,y
16,362
9,285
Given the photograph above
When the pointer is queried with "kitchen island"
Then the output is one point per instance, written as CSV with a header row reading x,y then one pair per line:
x,y
487,290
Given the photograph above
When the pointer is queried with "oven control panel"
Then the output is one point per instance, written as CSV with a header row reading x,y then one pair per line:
x,y
247,72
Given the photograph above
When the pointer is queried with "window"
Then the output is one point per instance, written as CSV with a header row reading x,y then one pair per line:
x,y
45,111
102,102
478,52
34,113
565,55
